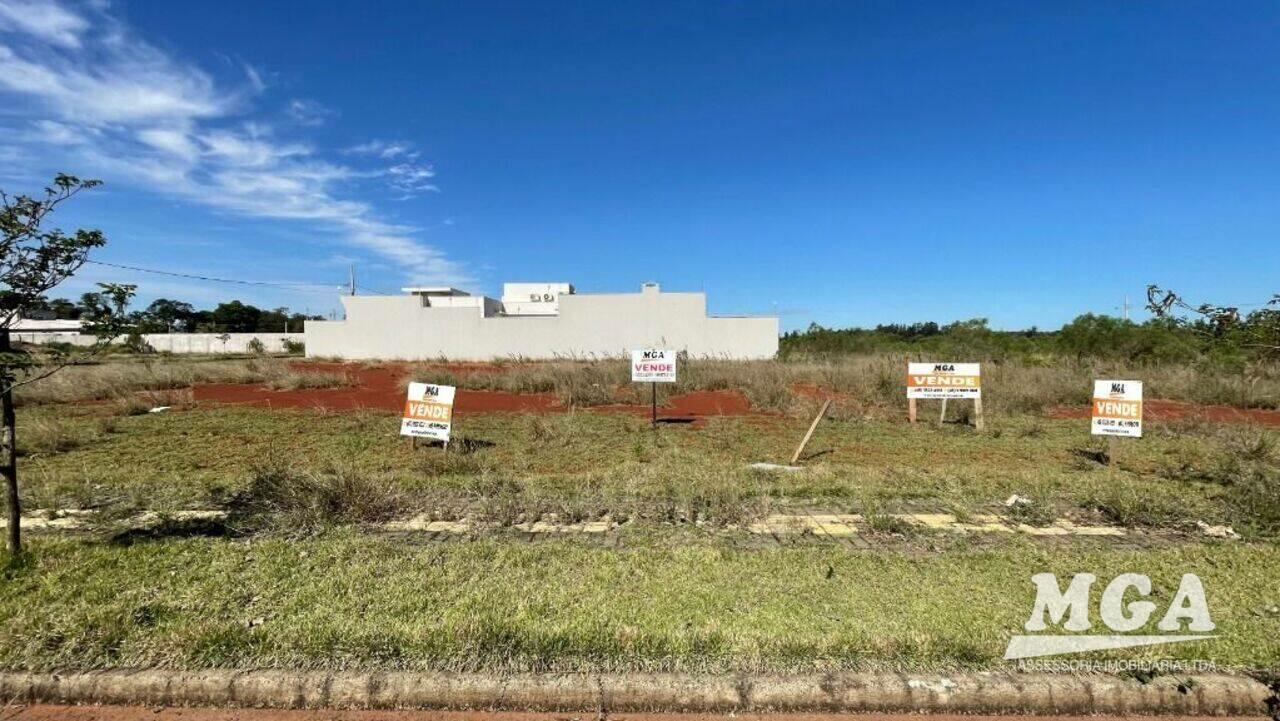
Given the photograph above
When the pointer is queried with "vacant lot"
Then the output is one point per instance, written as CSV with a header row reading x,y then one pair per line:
x,y
300,574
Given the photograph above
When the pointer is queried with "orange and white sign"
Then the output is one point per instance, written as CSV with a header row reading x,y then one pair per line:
x,y
1117,408
944,380
428,411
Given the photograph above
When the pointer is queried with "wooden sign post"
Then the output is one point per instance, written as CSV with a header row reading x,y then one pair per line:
x,y
943,381
1116,412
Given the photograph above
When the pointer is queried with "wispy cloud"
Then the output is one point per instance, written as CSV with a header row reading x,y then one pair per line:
x,y
47,21
408,176
308,112
386,149
86,84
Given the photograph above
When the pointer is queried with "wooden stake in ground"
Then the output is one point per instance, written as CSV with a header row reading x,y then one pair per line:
x,y
911,402
942,417
812,427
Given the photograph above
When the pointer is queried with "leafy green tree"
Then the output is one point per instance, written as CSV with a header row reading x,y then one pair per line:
x,y
168,316
273,321
236,317
33,261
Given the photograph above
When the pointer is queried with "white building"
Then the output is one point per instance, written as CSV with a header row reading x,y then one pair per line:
x,y
35,330
535,320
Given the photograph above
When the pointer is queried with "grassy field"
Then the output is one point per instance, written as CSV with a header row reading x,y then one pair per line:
x,y
344,600
298,580
511,468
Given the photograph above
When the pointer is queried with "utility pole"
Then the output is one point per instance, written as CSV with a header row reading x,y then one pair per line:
x,y
1126,307
353,279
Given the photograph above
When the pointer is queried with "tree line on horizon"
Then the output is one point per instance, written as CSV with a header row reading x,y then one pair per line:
x,y
1213,338
174,316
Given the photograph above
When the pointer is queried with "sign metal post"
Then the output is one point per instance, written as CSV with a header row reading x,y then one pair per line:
x,y
654,366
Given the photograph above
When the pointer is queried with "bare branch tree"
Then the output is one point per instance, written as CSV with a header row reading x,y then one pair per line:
x,y
1259,330
34,260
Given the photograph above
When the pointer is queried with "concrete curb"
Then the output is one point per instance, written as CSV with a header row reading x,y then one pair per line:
x,y
1216,695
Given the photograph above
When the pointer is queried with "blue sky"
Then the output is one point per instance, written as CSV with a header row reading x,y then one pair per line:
x,y
844,163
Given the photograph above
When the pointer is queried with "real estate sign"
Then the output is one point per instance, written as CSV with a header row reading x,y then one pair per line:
x,y
944,380
653,366
1117,408
428,411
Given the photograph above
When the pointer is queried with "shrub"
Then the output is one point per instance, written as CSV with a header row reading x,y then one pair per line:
x,y
135,343
279,497
255,346
294,347
288,379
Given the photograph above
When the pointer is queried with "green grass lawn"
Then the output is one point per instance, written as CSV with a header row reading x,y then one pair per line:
x,y
587,464
306,587
681,601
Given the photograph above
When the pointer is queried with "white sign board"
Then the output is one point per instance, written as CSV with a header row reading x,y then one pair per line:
x,y
653,366
944,380
1117,408
428,411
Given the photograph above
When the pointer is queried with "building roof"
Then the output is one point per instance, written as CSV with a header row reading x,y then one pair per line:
x,y
434,290
32,325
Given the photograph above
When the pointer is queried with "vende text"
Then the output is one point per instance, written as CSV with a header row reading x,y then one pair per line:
x,y
951,381
656,367
1117,409
430,411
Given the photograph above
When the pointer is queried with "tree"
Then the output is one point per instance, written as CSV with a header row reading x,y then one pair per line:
x,y
273,321
167,316
33,261
1221,325
236,317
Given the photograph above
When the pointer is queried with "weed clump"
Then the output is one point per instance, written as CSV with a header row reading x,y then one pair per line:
x,y
283,499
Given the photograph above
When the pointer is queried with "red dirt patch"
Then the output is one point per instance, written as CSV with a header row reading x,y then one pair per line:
x,y
1165,410
378,387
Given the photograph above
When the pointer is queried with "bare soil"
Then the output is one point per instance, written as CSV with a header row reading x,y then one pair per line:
x,y
379,387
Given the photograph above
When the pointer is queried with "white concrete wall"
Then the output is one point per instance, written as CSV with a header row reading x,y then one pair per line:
x,y
208,343
605,325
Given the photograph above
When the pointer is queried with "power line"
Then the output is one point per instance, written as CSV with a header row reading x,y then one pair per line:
x,y
192,276
284,286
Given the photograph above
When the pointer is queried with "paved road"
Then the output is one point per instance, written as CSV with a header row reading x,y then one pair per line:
x,y
137,713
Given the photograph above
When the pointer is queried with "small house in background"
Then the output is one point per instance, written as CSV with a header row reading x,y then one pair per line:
x,y
41,326
535,321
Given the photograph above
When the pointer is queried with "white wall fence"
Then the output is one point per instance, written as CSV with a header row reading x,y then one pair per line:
x,y
204,343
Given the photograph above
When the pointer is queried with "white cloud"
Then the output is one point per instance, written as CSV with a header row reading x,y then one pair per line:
x,y
48,21
387,150
407,176
171,140
308,112
128,111
412,178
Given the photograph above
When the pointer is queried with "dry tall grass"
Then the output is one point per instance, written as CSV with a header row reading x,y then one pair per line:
x,y
120,381
867,383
